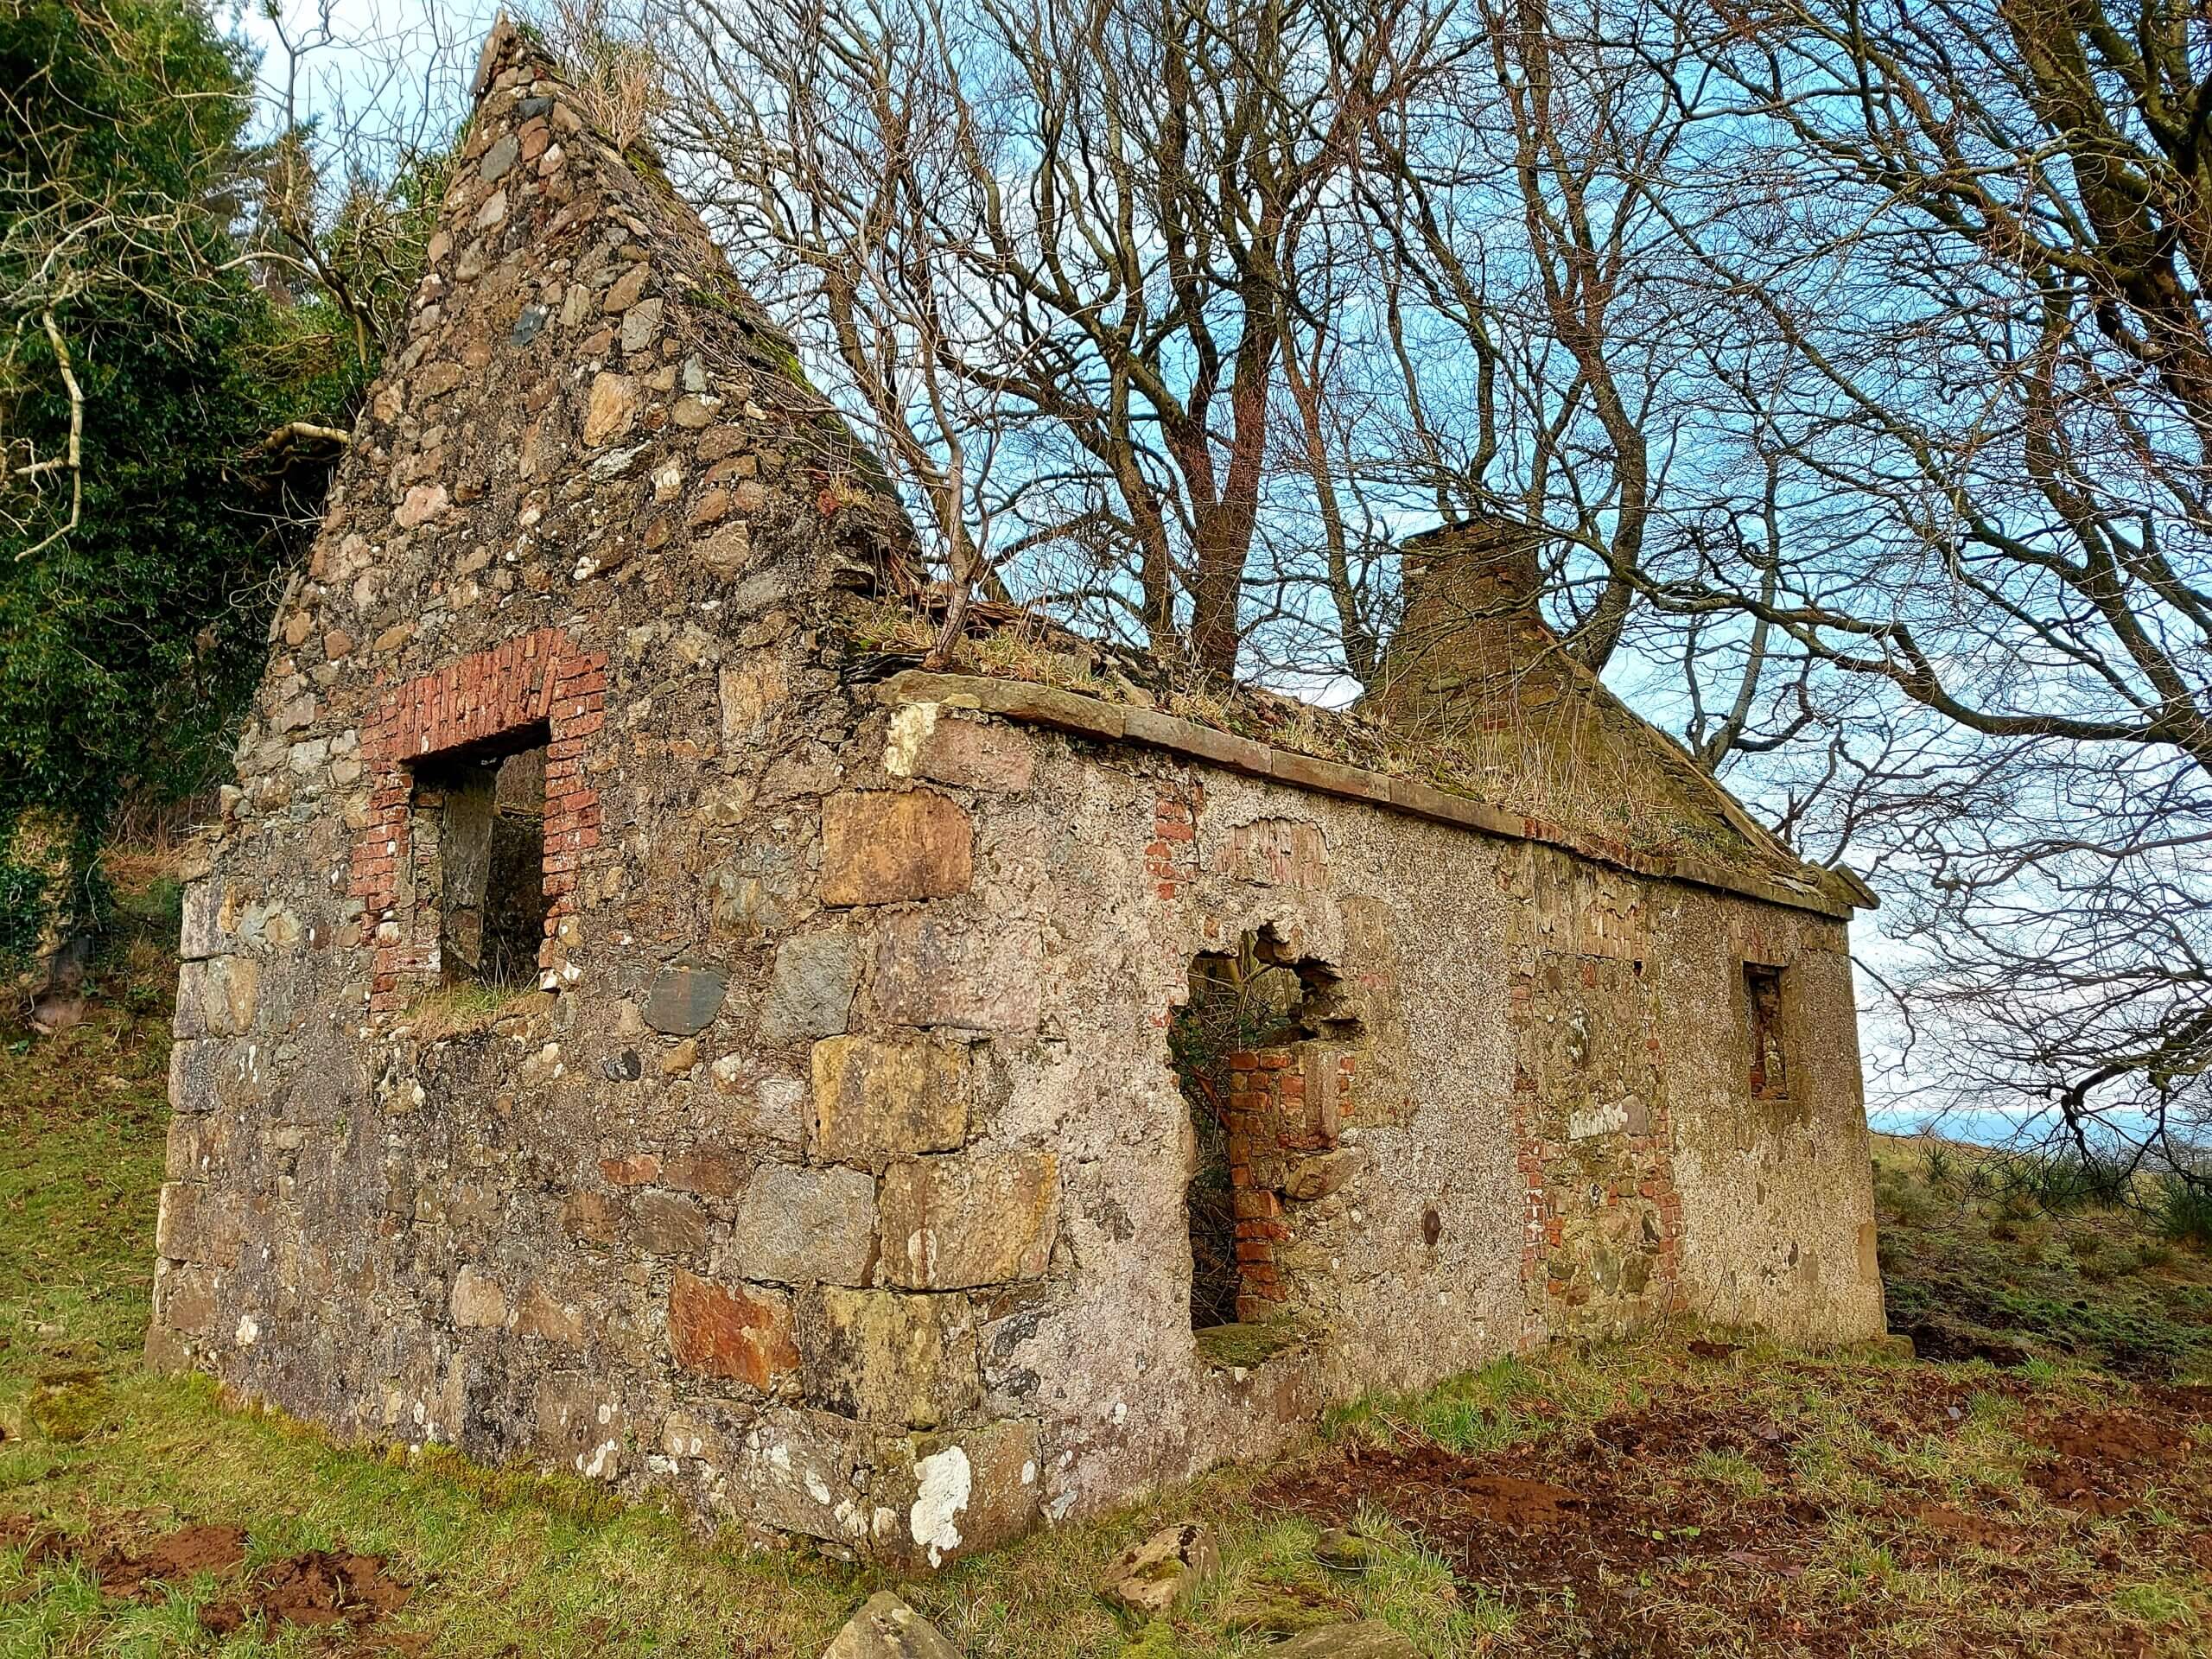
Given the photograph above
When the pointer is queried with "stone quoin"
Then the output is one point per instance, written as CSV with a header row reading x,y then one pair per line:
x,y
632,1019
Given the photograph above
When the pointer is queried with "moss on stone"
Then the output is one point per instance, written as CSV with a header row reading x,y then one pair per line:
x,y
1250,1343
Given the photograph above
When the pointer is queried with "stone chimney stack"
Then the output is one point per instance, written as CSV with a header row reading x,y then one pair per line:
x,y
1473,646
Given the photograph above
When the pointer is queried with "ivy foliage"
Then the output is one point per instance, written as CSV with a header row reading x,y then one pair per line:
x,y
137,256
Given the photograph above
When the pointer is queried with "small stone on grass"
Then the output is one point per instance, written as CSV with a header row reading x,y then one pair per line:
x,y
886,1627
1151,1577
1365,1638
1343,1550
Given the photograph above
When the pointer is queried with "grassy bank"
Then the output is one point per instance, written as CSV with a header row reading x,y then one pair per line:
x,y
2047,1488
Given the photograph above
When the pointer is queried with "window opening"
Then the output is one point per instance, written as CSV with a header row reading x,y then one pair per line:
x,y
1770,1061
478,835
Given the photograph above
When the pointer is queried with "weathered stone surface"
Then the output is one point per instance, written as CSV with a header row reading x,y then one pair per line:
x,y
217,997
626,288
759,894
178,1234
887,1357
709,1171
204,933
200,1070
667,1224
876,1098
1343,1550
545,1317
799,1226
937,970
749,690
1154,1576
1365,1638
578,1426
970,1218
612,409
807,1471
422,504
810,988
498,159
684,999
880,848
959,1490
641,324
929,740
1308,1179
478,1300
727,549
740,1332
886,1627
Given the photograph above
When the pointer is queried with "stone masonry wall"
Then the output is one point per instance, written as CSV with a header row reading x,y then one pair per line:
x,y
718,1207
831,1179
1553,1133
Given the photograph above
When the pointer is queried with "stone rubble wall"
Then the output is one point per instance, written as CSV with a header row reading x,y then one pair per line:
x,y
660,1222
1550,1134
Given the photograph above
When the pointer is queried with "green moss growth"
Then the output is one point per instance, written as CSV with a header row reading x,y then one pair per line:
x,y
1250,1345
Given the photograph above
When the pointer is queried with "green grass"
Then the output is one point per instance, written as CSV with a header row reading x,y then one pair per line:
x,y
2039,1258
508,1562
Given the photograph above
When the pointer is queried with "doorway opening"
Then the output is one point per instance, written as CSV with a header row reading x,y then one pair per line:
x,y
1261,1051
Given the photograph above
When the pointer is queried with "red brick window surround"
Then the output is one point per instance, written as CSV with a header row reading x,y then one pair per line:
x,y
538,680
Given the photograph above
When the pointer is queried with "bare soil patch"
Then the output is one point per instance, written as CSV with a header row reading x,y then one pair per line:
x,y
2106,1460
174,1559
314,1587
1619,1539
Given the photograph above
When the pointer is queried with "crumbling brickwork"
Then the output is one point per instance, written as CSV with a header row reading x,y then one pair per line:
x,y
831,1174
1288,1107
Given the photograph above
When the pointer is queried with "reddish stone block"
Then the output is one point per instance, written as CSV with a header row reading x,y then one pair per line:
x,y
882,848
740,1333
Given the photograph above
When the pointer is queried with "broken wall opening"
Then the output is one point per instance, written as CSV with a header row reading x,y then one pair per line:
x,y
478,836
1763,1034
1263,1050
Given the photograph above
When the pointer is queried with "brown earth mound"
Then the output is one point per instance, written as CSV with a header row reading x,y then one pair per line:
x,y
314,1587
1966,1528
2106,1460
1625,1539
173,1559
1540,1522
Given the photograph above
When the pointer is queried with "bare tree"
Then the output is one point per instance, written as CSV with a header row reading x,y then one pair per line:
x,y
1058,252
1951,259
1849,363
357,113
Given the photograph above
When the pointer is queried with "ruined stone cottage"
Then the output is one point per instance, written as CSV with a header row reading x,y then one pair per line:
x,y
634,1019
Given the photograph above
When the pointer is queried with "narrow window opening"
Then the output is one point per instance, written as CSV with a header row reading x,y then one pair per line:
x,y
1262,1049
479,833
1770,1061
